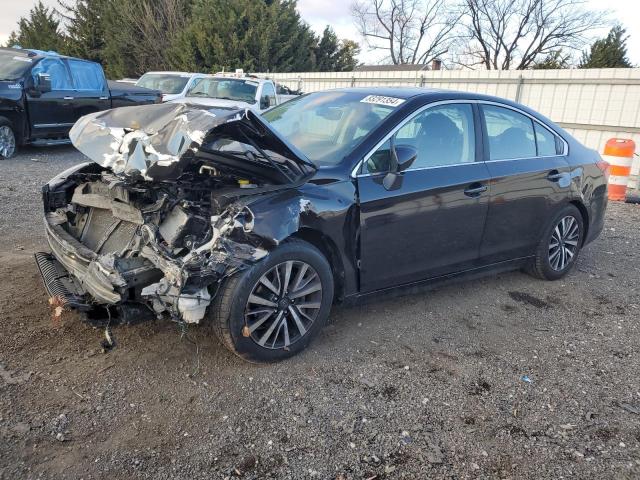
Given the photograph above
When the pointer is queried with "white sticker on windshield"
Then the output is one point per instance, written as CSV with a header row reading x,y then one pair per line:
x,y
23,59
382,100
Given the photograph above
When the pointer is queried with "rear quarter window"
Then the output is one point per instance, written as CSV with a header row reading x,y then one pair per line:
x,y
548,143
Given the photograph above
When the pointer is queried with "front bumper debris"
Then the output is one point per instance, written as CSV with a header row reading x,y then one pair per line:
x,y
59,284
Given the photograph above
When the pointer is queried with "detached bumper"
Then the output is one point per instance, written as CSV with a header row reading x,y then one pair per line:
x,y
58,283
89,275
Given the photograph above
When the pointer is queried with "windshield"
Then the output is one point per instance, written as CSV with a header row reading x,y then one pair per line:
x,y
326,126
13,66
167,83
225,88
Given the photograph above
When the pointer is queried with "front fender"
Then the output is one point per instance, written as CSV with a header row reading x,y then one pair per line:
x,y
330,210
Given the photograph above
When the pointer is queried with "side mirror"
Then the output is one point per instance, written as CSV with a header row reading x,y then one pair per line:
x,y
405,156
43,82
264,101
402,157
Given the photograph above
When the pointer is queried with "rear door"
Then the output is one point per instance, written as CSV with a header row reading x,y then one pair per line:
x,y
91,93
432,223
530,180
51,113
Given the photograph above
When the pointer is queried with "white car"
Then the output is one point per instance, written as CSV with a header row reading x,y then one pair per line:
x,y
173,85
232,92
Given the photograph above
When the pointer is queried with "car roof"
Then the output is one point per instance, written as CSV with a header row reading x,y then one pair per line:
x,y
429,95
33,53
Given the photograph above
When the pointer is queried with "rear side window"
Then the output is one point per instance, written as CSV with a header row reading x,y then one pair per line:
x,y
510,133
86,75
57,71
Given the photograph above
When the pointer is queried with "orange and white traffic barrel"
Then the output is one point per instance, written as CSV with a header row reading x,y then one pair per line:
x,y
618,152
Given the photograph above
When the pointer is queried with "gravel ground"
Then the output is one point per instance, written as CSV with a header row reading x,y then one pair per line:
x,y
505,377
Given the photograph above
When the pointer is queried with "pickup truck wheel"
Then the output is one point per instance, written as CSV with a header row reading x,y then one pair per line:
x,y
7,140
273,310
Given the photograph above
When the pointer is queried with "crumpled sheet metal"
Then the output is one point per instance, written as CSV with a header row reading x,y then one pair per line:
x,y
131,140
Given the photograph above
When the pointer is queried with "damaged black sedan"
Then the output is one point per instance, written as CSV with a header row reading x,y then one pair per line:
x,y
258,224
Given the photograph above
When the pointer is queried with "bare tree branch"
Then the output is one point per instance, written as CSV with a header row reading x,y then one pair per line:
x,y
504,34
412,31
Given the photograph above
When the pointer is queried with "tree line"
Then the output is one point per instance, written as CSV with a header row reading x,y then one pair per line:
x,y
490,34
130,37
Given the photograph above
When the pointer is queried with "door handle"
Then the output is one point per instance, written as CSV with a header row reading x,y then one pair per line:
x,y
68,98
475,189
554,175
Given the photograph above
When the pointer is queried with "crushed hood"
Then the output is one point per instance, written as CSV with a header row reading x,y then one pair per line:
x,y
157,142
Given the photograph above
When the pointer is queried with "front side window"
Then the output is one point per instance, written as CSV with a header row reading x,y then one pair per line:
x,y
60,79
86,75
442,135
510,133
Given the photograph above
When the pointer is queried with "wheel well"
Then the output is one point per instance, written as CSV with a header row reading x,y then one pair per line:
x,y
585,217
329,249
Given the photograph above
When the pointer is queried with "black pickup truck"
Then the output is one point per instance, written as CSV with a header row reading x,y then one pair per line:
x,y
42,94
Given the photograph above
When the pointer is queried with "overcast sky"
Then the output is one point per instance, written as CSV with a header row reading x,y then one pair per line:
x,y
320,13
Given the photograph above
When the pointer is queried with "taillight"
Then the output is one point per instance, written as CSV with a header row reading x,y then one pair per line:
x,y
603,165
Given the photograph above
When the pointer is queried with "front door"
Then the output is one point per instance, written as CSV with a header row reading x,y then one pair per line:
x,y
431,223
530,180
51,113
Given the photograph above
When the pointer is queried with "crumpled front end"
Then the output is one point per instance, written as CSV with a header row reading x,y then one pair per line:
x,y
164,214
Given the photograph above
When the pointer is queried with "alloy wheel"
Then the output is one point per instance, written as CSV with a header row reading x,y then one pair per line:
x,y
283,305
7,142
563,245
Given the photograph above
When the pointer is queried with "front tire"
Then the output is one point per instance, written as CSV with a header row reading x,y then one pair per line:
x,y
560,245
274,309
7,139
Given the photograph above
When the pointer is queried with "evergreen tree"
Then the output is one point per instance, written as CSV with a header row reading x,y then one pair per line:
x,y
85,28
255,35
40,30
333,55
554,61
140,34
608,52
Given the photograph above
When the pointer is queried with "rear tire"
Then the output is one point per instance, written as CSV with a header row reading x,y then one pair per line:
x,y
8,145
559,246
249,330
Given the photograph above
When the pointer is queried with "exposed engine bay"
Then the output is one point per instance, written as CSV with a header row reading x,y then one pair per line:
x,y
163,215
